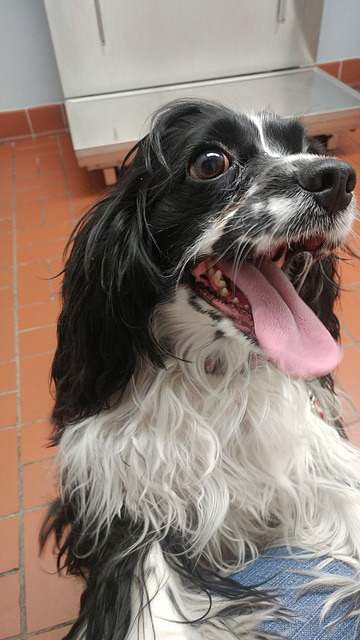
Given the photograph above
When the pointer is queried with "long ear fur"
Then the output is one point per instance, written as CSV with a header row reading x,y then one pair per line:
x,y
110,287
111,278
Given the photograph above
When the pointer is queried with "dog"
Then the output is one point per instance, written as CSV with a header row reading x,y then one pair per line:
x,y
195,411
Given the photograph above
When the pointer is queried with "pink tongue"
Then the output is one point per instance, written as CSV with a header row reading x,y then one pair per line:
x,y
289,333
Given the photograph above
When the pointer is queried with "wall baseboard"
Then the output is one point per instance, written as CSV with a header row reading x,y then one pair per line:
x,y
347,71
33,123
38,122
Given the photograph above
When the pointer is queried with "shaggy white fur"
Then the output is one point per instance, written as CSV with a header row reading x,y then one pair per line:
x,y
236,461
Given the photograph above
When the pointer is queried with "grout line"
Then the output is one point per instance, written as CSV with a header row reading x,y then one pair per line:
x,y
68,192
32,462
35,355
32,422
26,263
10,515
54,628
354,290
353,341
7,429
3,574
50,241
40,326
43,218
31,509
51,282
39,507
344,346
27,305
30,124
349,288
17,360
46,174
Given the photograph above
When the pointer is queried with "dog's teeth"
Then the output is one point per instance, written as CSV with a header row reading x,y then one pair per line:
x,y
218,279
246,307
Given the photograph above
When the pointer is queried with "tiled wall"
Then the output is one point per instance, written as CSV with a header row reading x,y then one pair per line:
x,y
33,123
347,71
37,122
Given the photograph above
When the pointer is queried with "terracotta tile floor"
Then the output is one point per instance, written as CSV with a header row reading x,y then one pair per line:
x,y
42,194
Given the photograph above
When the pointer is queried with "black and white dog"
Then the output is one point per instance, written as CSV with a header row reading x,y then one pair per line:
x,y
195,414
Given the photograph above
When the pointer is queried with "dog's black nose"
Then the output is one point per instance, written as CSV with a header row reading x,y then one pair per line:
x,y
330,181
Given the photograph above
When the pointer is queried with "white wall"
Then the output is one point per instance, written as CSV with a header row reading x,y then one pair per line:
x,y
340,31
28,72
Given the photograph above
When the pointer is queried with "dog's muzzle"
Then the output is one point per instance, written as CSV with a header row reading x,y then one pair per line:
x,y
330,182
256,293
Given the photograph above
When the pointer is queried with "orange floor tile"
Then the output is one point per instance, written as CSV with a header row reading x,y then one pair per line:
x,y
42,194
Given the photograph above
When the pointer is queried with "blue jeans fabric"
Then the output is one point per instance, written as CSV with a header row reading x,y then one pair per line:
x,y
273,571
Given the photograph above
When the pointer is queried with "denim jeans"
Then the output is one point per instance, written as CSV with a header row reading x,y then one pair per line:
x,y
273,570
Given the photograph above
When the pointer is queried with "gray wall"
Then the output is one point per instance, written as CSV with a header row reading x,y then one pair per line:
x,y
340,31
28,72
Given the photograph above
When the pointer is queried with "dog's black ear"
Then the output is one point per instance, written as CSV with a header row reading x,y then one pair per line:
x,y
110,286
320,290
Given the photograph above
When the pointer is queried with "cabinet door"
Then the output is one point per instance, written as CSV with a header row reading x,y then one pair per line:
x,y
104,46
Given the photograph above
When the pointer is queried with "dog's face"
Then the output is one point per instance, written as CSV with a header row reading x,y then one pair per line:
x,y
249,200
233,208
246,186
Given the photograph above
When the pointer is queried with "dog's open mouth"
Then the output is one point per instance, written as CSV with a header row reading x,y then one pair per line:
x,y
263,304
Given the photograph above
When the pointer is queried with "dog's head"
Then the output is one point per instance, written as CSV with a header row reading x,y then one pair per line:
x,y
231,208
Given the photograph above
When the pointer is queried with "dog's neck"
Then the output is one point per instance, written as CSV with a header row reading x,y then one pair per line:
x,y
211,454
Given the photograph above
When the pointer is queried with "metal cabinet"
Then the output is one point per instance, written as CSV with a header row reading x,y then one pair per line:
x,y
121,59
114,45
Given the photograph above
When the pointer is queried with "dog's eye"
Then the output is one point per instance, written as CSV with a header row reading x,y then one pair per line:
x,y
209,164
